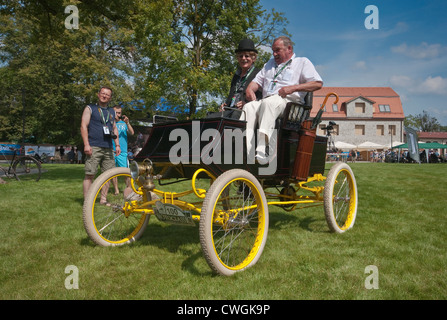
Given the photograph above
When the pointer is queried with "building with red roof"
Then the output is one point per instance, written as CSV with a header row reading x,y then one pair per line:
x,y
428,137
362,115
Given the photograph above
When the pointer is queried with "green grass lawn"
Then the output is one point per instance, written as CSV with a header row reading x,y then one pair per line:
x,y
400,229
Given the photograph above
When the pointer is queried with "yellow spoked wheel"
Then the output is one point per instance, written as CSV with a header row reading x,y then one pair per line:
x,y
340,198
104,212
234,222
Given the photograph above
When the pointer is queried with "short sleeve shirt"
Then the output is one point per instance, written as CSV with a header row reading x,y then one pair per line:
x,y
122,134
299,70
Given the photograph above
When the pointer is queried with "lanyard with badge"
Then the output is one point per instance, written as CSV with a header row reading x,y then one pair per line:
x,y
240,84
274,81
104,121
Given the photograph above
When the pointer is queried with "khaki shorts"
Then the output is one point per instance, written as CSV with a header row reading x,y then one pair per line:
x,y
100,156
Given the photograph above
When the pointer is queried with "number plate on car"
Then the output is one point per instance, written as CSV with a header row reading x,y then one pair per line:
x,y
172,214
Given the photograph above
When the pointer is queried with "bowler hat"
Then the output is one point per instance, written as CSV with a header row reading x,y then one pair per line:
x,y
246,45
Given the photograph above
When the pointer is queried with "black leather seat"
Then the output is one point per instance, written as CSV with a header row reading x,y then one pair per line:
x,y
295,113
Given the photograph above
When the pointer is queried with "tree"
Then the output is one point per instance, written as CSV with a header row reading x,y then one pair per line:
x,y
178,52
423,122
192,63
59,70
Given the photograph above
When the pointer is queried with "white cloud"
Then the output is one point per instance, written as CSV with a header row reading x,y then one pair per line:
x,y
436,85
437,112
402,81
431,85
359,66
374,34
422,51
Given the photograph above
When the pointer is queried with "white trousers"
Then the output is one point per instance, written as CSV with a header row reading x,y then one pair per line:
x,y
264,113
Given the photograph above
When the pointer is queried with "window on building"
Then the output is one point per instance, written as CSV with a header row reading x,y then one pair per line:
x,y
321,131
335,107
384,108
359,130
392,130
324,108
335,132
359,107
380,130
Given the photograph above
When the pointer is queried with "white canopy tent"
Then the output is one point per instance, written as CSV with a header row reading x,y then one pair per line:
x,y
344,145
368,145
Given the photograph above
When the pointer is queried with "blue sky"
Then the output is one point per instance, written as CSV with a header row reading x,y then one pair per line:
x,y
408,52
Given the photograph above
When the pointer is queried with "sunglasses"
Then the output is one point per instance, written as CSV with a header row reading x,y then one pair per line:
x,y
242,55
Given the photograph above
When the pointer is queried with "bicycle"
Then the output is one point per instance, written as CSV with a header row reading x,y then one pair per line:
x,y
22,168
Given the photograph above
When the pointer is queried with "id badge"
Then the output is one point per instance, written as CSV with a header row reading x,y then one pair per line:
x,y
272,87
236,98
106,130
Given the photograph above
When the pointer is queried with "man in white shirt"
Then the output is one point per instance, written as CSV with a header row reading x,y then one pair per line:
x,y
285,78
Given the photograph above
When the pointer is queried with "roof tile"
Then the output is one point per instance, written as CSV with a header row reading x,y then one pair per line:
x,y
377,95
